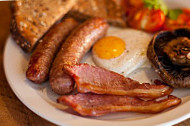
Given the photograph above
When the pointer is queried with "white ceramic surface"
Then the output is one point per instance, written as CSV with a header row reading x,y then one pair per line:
x,y
41,100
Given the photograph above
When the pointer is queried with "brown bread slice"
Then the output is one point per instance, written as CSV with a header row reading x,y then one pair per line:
x,y
109,9
33,18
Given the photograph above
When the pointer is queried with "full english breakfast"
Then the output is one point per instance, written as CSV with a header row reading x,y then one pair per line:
x,y
60,33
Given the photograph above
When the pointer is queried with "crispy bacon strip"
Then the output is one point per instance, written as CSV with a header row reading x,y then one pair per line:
x,y
97,105
101,81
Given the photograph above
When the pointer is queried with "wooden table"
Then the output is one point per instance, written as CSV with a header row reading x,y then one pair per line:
x,y
12,111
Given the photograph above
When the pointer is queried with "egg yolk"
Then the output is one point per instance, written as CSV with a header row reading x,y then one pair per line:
x,y
109,47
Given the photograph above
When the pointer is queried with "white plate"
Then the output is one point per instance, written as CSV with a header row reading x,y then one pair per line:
x,y
41,100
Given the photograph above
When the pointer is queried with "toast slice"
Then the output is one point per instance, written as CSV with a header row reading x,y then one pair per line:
x,y
110,9
32,19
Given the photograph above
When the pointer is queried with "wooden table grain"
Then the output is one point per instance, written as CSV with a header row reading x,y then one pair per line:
x,y
12,111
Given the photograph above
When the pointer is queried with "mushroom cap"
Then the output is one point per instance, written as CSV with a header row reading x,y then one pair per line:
x,y
174,75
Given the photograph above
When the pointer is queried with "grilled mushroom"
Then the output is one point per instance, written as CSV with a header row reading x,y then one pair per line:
x,y
169,52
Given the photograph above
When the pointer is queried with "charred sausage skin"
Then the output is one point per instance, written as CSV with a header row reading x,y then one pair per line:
x,y
72,50
42,57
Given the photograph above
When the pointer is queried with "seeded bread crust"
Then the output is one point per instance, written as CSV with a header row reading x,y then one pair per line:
x,y
108,9
32,18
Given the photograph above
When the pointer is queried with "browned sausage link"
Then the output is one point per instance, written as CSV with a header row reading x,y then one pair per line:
x,y
72,50
42,58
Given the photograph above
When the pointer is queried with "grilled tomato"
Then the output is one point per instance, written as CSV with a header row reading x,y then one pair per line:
x,y
148,20
148,15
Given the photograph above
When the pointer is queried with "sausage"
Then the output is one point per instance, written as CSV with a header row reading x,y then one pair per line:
x,y
42,58
72,50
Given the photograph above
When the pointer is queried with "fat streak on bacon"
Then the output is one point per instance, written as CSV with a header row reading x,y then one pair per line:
x,y
101,81
97,105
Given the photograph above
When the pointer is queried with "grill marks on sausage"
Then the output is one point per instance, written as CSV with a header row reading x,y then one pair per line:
x,y
101,81
72,50
42,58
97,105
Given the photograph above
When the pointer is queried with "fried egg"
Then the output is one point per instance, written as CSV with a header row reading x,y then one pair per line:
x,y
121,50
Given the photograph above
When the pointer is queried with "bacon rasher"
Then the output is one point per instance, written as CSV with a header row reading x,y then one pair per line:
x,y
101,81
97,105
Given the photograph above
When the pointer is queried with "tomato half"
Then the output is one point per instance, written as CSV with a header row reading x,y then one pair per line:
x,y
146,19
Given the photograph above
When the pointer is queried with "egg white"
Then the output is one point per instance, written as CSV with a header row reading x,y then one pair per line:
x,y
133,57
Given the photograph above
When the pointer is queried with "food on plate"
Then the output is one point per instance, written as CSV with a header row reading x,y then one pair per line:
x,y
177,18
97,105
108,9
32,18
43,55
59,46
153,15
101,81
148,15
122,50
169,53
72,50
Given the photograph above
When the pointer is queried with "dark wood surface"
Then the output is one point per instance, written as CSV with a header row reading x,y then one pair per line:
x,y
12,111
